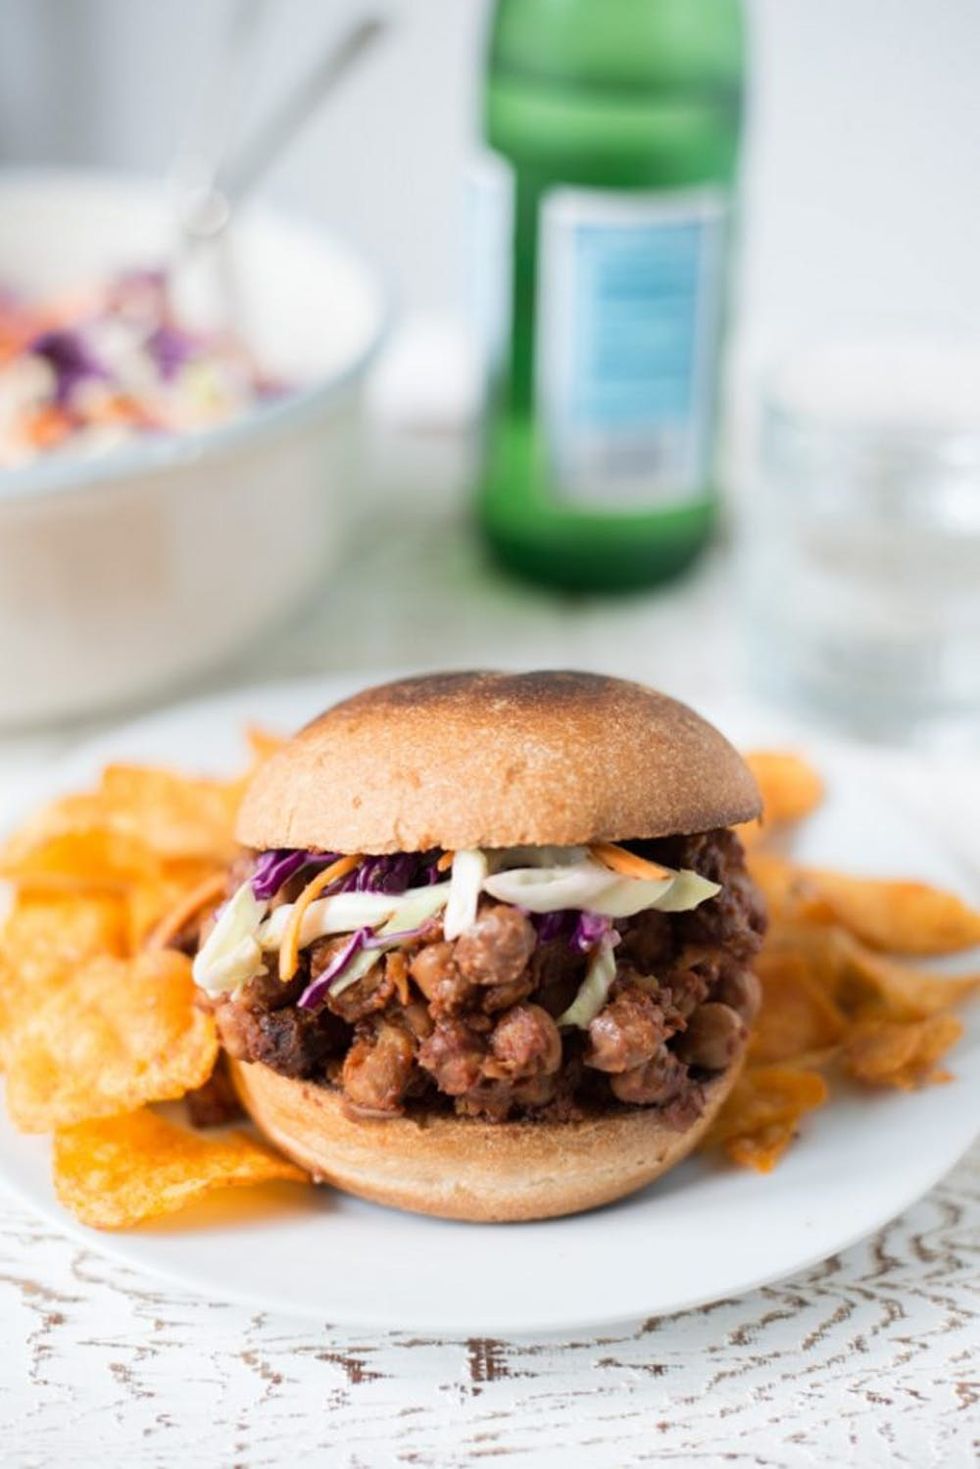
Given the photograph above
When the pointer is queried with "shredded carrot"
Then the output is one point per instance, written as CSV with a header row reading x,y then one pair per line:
x,y
48,426
397,971
627,864
119,408
445,862
289,948
171,925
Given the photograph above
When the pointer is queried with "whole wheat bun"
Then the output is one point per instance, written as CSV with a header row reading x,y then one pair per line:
x,y
458,760
461,1168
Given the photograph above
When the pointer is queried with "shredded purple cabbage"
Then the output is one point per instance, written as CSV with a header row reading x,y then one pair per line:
x,y
363,938
554,926
403,936
316,990
580,930
171,349
277,866
71,359
591,929
392,874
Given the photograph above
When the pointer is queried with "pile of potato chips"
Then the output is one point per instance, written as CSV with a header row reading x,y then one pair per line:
x,y
838,993
99,1018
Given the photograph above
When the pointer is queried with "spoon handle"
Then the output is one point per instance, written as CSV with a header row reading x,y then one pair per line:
x,y
238,176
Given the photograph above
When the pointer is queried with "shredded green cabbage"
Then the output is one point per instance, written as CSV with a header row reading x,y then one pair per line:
x,y
468,876
586,884
231,953
413,911
341,913
594,988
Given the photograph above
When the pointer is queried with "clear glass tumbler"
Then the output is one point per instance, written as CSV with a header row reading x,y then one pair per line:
x,y
861,549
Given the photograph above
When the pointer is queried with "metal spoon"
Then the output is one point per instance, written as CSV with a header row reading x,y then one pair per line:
x,y
212,182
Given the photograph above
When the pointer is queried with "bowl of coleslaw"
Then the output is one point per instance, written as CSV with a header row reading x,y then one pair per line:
x,y
169,487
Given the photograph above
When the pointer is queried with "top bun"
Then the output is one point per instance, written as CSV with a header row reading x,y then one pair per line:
x,y
457,760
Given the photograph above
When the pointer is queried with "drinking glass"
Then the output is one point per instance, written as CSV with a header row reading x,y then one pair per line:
x,y
861,553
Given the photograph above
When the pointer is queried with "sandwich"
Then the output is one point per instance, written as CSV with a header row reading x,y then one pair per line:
x,y
487,951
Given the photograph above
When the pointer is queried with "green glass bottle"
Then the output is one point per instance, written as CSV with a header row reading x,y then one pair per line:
x,y
613,130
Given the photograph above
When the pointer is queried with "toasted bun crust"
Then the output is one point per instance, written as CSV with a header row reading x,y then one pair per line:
x,y
458,1168
497,760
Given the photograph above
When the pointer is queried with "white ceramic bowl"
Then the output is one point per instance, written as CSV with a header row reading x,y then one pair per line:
x,y
123,574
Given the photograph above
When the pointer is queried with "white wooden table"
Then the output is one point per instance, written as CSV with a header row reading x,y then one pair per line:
x,y
871,1359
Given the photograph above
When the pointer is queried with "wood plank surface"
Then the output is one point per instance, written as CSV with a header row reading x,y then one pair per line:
x,y
871,1359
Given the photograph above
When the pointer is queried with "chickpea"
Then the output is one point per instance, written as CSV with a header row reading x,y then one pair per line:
x,y
714,1034
742,991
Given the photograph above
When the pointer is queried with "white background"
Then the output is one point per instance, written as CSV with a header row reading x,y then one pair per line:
x,y
861,195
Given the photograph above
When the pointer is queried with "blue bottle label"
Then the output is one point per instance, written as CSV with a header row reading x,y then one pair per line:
x,y
629,297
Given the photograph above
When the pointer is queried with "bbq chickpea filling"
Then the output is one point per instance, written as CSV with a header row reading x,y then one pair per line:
x,y
532,983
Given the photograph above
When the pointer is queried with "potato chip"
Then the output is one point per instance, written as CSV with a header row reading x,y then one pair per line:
x,y
175,815
767,1094
901,1053
820,947
750,834
862,983
187,912
121,834
44,939
263,742
146,903
119,1171
789,786
118,1034
762,1113
761,1150
799,1021
46,930
872,985
152,900
9,1007
900,917
784,888
71,843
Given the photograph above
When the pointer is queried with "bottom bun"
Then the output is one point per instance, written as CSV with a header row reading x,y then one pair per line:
x,y
462,1168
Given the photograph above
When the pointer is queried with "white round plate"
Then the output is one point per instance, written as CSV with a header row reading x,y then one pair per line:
x,y
705,1232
